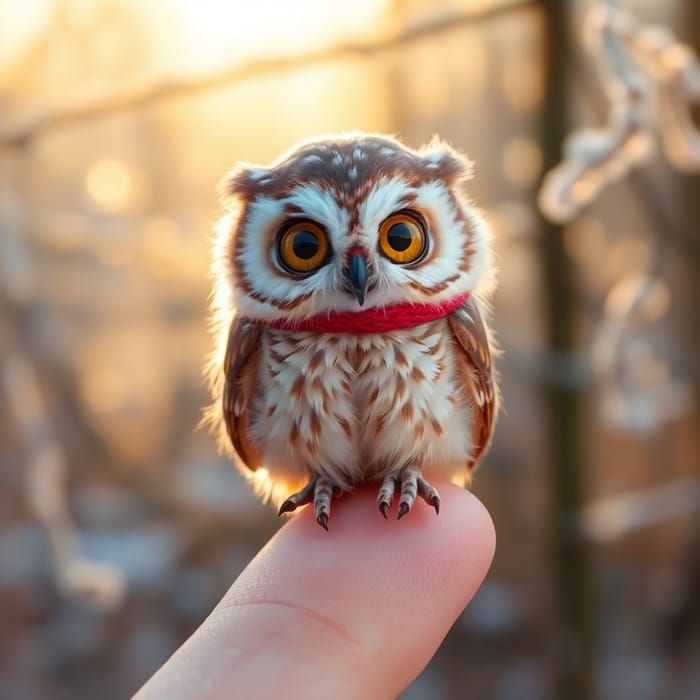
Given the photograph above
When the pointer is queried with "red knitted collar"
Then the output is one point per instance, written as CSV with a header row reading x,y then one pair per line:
x,y
377,320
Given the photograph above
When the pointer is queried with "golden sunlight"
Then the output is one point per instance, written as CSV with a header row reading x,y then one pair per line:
x,y
26,20
225,31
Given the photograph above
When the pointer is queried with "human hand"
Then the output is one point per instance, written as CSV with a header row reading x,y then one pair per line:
x,y
356,612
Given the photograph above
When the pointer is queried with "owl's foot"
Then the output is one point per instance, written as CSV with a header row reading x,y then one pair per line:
x,y
411,484
320,492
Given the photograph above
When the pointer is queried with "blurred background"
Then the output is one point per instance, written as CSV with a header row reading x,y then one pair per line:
x,y
120,526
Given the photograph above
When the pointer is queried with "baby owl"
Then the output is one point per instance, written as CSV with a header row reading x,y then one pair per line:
x,y
349,312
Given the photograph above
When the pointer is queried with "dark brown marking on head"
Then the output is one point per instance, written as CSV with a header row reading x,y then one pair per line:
x,y
283,304
346,166
408,201
465,264
242,183
234,248
292,210
353,219
436,288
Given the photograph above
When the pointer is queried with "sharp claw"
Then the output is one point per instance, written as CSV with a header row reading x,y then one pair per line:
x,y
322,520
403,509
435,502
287,507
384,509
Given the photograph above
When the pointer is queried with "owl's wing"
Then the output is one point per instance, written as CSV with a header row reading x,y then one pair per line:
x,y
475,372
240,380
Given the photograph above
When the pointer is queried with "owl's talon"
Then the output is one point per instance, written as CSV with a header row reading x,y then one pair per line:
x,y
320,492
301,498
287,507
411,484
324,492
386,495
428,493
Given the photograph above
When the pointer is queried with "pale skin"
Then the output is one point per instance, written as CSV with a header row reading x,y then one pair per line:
x,y
356,612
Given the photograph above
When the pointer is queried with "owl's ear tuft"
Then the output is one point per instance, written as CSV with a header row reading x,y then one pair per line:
x,y
242,182
446,162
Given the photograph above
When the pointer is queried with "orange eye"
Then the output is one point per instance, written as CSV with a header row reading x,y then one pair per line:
x,y
303,247
402,238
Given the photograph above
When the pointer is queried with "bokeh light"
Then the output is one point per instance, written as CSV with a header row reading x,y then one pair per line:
x,y
109,184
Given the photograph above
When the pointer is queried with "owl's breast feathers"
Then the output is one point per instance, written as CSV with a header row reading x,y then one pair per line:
x,y
426,393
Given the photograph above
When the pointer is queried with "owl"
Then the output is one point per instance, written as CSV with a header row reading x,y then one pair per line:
x,y
349,309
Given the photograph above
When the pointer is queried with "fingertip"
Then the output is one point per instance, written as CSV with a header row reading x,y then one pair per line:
x,y
396,586
320,608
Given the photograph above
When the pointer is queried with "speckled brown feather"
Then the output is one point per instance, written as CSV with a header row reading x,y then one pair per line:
x,y
240,379
475,373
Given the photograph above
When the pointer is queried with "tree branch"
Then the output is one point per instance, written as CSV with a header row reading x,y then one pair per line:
x,y
142,94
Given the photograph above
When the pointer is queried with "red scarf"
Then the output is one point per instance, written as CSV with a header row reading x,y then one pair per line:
x,y
377,320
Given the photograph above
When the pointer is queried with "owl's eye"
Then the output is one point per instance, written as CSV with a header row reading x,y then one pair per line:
x,y
303,247
402,238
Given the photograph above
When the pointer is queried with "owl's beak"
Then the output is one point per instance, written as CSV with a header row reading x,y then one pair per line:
x,y
356,273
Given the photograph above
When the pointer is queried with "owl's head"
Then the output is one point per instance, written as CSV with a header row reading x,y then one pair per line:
x,y
346,223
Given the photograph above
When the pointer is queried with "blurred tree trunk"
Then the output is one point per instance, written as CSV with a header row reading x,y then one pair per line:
x,y
691,229
685,622
573,642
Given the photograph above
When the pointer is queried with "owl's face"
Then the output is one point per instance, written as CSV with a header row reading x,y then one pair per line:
x,y
348,223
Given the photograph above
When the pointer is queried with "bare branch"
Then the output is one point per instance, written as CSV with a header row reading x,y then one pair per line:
x,y
46,464
650,80
610,518
102,583
141,94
